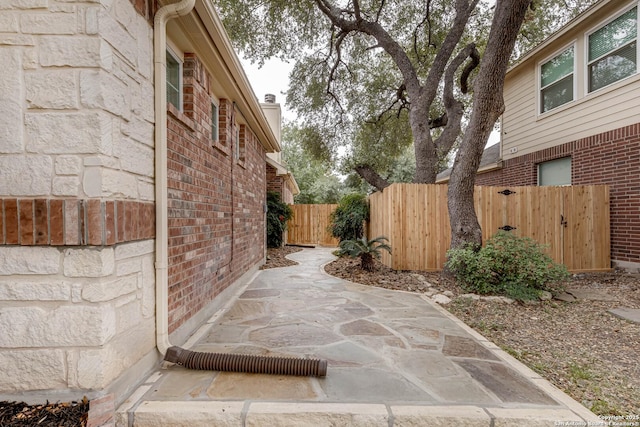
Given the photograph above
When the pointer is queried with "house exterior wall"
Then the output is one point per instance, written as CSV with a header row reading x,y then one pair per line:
x,y
77,189
611,158
76,196
216,200
525,130
600,130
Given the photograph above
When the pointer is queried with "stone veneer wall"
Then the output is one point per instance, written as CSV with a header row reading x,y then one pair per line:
x,y
76,196
611,158
216,199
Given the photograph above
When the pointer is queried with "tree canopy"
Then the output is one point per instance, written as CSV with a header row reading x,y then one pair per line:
x,y
347,91
379,75
317,181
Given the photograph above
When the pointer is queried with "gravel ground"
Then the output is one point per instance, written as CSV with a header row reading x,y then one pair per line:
x,y
578,346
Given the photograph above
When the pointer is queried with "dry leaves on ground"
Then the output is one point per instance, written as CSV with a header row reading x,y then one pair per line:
x,y
70,414
276,257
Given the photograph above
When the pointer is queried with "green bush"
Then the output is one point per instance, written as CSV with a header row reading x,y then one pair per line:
x,y
347,221
278,213
365,249
507,265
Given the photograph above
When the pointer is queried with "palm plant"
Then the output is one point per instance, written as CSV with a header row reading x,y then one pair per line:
x,y
365,249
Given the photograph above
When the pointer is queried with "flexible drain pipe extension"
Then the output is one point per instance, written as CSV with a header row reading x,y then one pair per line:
x,y
246,363
187,358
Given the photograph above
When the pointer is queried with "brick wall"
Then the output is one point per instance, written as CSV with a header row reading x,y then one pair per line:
x,y
77,276
73,222
275,183
216,218
611,158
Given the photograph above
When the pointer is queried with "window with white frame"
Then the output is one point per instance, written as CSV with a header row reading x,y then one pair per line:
x,y
174,80
214,122
613,50
556,80
555,172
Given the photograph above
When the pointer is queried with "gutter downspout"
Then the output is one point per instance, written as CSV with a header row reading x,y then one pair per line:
x,y
190,359
170,11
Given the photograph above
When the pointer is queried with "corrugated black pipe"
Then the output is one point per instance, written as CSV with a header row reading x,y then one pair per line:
x,y
246,363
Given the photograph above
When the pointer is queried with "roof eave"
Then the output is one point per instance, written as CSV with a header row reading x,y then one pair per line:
x,y
238,83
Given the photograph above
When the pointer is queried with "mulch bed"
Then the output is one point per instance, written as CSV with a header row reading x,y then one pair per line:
x,y
68,414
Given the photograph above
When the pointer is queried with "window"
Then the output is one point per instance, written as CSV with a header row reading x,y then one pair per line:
x,y
214,122
174,80
613,51
555,172
556,81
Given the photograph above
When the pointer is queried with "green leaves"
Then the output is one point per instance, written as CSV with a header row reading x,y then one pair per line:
x,y
364,249
278,213
507,265
347,221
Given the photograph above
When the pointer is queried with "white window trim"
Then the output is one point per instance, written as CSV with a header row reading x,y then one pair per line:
x,y
573,44
595,28
180,62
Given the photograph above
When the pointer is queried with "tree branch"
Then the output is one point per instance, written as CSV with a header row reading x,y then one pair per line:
x,y
466,72
454,107
427,19
463,11
382,3
384,39
372,177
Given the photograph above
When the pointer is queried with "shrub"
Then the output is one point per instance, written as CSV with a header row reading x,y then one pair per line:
x,y
278,213
507,265
365,249
347,221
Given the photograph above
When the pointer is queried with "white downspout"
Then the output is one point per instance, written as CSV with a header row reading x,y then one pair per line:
x,y
161,18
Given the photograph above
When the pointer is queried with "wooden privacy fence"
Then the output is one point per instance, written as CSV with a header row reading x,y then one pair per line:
x,y
309,225
573,221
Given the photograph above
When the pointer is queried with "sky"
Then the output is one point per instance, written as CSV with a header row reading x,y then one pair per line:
x,y
272,77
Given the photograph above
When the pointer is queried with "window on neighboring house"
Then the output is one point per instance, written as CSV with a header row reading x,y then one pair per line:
x,y
174,80
555,172
613,51
214,122
556,80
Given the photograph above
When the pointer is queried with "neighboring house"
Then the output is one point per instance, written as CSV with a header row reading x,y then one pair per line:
x,y
279,179
572,116
128,215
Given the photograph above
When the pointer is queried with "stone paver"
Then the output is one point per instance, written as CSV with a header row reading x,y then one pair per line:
x,y
394,359
630,314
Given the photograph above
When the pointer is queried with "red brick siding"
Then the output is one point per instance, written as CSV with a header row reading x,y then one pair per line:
x,y
216,219
611,158
73,222
275,183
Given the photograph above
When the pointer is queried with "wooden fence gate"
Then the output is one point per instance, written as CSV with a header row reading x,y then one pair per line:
x,y
309,225
573,221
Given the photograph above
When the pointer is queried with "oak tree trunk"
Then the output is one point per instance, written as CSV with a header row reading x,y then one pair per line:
x,y
488,105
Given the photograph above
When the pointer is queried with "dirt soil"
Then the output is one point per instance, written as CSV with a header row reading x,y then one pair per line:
x,y
73,414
